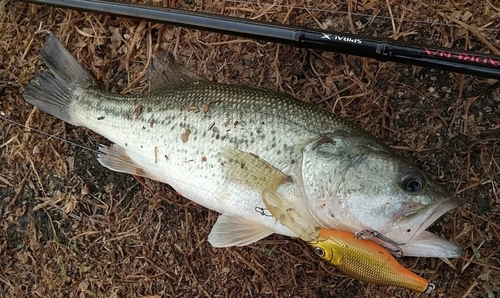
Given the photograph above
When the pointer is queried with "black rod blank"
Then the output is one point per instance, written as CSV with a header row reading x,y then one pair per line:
x,y
467,62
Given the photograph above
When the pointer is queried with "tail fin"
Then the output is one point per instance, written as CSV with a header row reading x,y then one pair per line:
x,y
54,94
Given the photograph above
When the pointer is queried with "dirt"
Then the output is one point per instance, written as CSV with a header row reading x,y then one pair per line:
x,y
72,228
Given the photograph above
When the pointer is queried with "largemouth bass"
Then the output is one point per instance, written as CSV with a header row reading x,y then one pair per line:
x,y
224,146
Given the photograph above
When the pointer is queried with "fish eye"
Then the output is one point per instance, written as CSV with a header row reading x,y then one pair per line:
x,y
319,251
413,183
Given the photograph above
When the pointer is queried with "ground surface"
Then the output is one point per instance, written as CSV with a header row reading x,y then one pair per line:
x,y
71,228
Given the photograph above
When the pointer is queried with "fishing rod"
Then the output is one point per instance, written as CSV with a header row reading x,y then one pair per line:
x,y
467,62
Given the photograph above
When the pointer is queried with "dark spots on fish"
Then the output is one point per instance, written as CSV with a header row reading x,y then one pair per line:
x,y
141,146
263,123
217,137
292,161
279,152
223,138
100,118
408,231
144,127
137,111
194,108
236,123
151,123
126,144
242,165
140,172
185,136
259,131
203,159
212,125
206,108
166,157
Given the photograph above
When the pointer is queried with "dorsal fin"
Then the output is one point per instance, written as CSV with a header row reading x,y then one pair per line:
x,y
164,72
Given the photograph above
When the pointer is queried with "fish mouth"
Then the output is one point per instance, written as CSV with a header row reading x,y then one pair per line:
x,y
428,245
438,211
422,243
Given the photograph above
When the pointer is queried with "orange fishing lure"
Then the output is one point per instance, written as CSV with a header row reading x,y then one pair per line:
x,y
365,260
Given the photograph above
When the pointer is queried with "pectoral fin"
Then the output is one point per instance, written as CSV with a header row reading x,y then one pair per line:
x,y
250,170
297,221
232,230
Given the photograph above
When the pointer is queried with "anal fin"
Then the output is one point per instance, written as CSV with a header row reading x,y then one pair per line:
x,y
115,158
232,230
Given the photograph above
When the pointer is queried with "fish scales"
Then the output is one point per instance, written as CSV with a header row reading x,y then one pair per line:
x,y
265,123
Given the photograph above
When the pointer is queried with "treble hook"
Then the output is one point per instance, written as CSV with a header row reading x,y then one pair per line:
x,y
369,234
